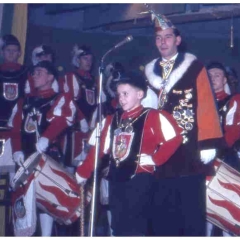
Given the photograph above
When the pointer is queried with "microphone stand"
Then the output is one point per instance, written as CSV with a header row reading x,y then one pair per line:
x,y
97,149
98,132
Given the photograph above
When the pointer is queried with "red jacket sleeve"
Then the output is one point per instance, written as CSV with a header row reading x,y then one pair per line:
x,y
15,123
232,121
87,167
162,136
61,115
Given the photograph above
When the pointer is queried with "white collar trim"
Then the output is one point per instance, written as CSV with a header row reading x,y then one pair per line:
x,y
157,81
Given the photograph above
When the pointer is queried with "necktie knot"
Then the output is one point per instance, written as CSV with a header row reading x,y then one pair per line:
x,y
167,67
166,63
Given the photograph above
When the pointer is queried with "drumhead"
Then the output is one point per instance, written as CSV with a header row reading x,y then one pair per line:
x,y
22,175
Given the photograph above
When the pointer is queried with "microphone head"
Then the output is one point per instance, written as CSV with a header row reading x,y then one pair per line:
x,y
129,38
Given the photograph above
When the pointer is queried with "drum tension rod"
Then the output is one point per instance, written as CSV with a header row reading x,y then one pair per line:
x,y
73,192
67,191
54,205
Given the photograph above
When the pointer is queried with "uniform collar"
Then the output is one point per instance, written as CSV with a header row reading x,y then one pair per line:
x,y
84,74
133,113
172,58
221,95
10,67
45,93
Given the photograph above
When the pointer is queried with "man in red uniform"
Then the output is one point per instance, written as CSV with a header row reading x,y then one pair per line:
x,y
229,112
185,92
83,87
37,122
12,79
137,139
81,83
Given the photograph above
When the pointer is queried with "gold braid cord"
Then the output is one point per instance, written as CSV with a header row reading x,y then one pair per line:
x,y
82,210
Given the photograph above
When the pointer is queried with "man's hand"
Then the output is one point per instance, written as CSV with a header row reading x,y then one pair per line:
x,y
80,180
42,144
208,155
18,158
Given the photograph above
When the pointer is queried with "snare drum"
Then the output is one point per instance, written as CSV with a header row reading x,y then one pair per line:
x,y
57,192
223,198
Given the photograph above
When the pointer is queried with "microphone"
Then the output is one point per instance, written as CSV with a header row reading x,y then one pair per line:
x,y
126,40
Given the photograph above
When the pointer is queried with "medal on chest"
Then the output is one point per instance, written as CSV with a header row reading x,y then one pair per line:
x,y
184,112
162,98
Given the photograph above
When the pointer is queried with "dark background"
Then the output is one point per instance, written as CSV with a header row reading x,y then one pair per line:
x,y
205,29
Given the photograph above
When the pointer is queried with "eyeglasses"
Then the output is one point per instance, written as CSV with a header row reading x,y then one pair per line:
x,y
39,72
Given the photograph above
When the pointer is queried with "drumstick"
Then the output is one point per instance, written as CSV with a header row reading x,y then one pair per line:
x,y
25,170
82,210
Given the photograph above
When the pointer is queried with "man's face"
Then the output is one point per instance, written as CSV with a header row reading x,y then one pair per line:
x,y
218,79
85,62
45,57
129,97
11,53
41,78
167,43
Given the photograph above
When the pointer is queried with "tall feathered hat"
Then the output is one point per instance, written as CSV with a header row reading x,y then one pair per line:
x,y
160,21
113,72
78,52
39,51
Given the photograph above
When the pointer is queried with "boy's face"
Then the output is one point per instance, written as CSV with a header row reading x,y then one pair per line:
x,y
218,79
11,54
41,78
129,97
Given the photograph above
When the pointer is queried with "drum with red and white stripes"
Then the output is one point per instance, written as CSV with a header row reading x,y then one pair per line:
x,y
57,192
223,198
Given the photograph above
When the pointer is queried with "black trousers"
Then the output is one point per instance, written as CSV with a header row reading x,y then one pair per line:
x,y
130,204
179,207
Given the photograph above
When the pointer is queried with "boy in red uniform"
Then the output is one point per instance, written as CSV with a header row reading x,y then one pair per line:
x,y
137,139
